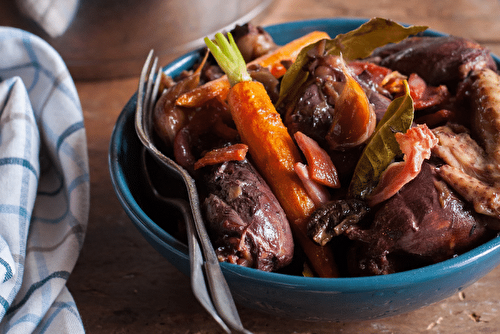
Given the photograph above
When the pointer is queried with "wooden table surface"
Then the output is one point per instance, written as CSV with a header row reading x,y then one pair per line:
x,y
122,285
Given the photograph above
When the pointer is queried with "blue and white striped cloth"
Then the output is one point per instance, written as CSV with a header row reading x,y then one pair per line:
x,y
44,186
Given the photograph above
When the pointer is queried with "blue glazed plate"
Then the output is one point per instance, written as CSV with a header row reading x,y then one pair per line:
x,y
303,298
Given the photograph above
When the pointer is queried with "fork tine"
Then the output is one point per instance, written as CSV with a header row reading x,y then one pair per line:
x,y
148,99
142,79
139,112
156,89
149,84
152,100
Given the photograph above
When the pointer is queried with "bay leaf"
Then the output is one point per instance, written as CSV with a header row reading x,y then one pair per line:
x,y
356,44
382,147
361,42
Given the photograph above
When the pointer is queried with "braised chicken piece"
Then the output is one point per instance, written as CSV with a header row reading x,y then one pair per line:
x,y
246,222
468,169
472,157
424,223
485,98
483,196
438,60
457,149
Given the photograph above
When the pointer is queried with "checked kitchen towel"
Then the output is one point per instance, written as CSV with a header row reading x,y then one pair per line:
x,y
44,187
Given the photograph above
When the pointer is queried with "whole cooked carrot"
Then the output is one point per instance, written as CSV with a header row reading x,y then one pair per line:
x,y
271,147
272,61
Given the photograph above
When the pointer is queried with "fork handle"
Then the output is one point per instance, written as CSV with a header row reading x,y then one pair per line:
x,y
198,283
223,302
219,289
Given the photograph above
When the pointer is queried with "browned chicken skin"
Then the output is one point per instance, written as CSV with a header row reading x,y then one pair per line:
x,y
485,97
424,223
473,168
437,60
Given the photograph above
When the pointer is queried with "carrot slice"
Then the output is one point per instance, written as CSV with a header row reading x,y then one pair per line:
x,y
273,61
316,191
235,152
321,167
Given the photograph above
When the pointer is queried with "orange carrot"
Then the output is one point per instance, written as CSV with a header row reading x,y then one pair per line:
x,y
272,61
275,154
321,167
236,152
201,94
289,52
271,147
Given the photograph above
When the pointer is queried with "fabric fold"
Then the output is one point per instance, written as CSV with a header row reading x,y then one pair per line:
x,y
44,186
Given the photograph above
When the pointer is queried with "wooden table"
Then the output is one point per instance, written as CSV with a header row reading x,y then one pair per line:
x,y
122,285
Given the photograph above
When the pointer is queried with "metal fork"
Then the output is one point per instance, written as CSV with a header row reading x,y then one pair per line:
x,y
207,280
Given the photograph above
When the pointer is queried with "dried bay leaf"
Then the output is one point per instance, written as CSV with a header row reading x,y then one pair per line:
x,y
382,147
361,42
356,44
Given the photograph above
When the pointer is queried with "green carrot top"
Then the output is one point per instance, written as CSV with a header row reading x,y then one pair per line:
x,y
229,58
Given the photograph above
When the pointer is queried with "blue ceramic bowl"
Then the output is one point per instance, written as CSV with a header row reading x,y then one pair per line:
x,y
304,298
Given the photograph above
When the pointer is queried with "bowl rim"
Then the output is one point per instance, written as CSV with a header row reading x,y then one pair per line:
x,y
381,282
